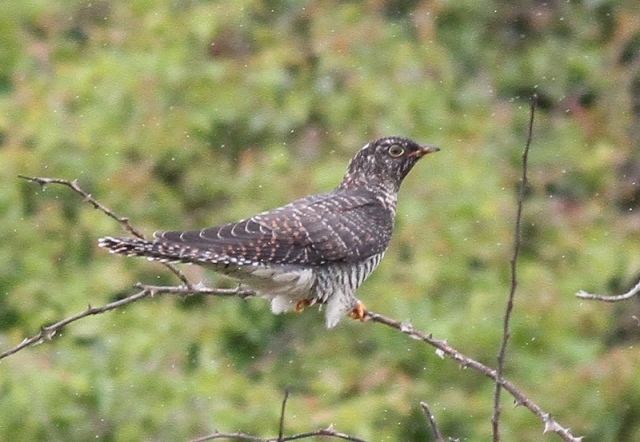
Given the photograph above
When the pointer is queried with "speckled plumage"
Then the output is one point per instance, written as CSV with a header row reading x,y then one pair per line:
x,y
318,249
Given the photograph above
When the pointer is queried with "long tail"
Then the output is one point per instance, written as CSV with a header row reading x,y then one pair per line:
x,y
165,251
154,250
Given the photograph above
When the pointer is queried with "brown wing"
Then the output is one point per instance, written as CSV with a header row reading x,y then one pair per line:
x,y
331,227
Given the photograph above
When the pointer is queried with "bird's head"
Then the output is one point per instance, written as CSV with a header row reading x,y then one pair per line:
x,y
384,162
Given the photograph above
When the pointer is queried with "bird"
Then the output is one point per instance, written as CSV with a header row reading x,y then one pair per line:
x,y
315,250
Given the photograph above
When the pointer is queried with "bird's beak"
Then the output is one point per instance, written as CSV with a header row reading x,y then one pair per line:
x,y
423,151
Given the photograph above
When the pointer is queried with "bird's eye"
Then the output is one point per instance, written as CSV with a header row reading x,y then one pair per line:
x,y
396,151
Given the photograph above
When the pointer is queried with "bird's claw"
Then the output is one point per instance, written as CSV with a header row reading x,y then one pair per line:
x,y
301,305
358,312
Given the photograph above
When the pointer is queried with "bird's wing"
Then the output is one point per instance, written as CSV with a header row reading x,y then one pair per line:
x,y
316,230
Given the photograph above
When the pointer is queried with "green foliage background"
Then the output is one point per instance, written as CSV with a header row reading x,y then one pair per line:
x,y
190,113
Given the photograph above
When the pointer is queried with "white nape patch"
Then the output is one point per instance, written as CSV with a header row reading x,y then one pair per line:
x,y
365,146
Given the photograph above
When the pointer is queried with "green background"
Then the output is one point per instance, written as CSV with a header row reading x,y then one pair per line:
x,y
187,114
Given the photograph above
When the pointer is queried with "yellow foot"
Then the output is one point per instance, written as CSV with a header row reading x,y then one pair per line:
x,y
358,312
301,305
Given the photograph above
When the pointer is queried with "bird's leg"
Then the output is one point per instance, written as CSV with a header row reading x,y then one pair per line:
x,y
358,312
301,305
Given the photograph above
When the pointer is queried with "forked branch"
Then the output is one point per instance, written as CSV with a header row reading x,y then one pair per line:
x,y
123,221
48,332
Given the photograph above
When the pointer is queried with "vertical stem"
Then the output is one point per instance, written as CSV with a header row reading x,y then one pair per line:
x,y
495,420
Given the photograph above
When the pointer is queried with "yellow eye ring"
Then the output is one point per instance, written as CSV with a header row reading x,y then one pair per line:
x,y
396,151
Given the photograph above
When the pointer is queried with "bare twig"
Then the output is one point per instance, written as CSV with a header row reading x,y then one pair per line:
x,y
610,298
517,240
282,411
329,432
190,291
48,332
73,185
432,422
235,436
550,424
123,221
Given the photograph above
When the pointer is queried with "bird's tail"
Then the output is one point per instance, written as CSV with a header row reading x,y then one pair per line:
x,y
152,250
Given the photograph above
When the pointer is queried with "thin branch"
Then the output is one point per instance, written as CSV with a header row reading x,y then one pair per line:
x,y
442,348
610,298
329,432
73,185
432,422
123,221
235,436
196,290
517,241
282,411
48,332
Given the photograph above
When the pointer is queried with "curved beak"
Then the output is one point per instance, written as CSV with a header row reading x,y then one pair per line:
x,y
423,151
